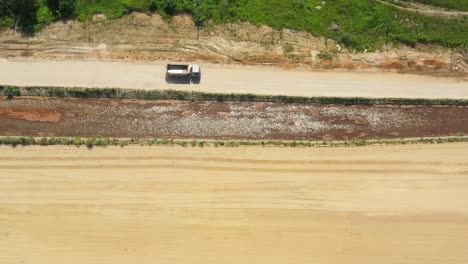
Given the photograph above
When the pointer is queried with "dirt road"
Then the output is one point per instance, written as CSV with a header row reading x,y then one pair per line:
x,y
393,204
426,9
230,79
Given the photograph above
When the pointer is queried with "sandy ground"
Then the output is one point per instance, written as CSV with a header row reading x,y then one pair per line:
x,y
393,204
230,78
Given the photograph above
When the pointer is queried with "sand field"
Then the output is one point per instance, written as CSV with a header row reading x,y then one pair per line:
x,y
381,204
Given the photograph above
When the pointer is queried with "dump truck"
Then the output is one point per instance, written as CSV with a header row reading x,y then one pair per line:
x,y
183,73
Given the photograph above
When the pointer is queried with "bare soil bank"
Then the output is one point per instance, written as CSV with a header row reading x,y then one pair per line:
x,y
227,120
139,37
390,205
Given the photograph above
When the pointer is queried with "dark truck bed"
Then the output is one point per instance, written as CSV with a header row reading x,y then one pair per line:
x,y
183,73
178,69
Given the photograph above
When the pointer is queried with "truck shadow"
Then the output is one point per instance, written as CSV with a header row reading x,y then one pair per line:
x,y
182,80
177,80
196,80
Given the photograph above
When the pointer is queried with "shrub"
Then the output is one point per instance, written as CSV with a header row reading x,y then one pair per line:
x,y
44,15
6,22
10,92
90,142
288,50
77,142
66,8
30,141
122,143
43,141
325,55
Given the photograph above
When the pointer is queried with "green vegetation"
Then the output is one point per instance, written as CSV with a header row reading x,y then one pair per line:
x,y
10,92
18,14
122,142
326,55
362,24
449,4
117,93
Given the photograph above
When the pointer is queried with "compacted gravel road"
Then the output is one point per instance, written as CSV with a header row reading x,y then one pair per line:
x,y
230,79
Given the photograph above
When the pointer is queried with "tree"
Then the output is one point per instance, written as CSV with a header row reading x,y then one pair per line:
x,y
201,15
166,8
46,12
66,8
23,12
63,8
11,92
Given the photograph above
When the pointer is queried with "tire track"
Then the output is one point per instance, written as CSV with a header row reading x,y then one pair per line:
x,y
243,161
234,169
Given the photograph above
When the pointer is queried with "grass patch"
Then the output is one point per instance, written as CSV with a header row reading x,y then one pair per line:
x,y
364,24
118,93
90,143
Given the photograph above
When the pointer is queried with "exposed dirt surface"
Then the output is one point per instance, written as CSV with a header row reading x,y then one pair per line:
x,y
228,120
139,37
39,115
385,204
